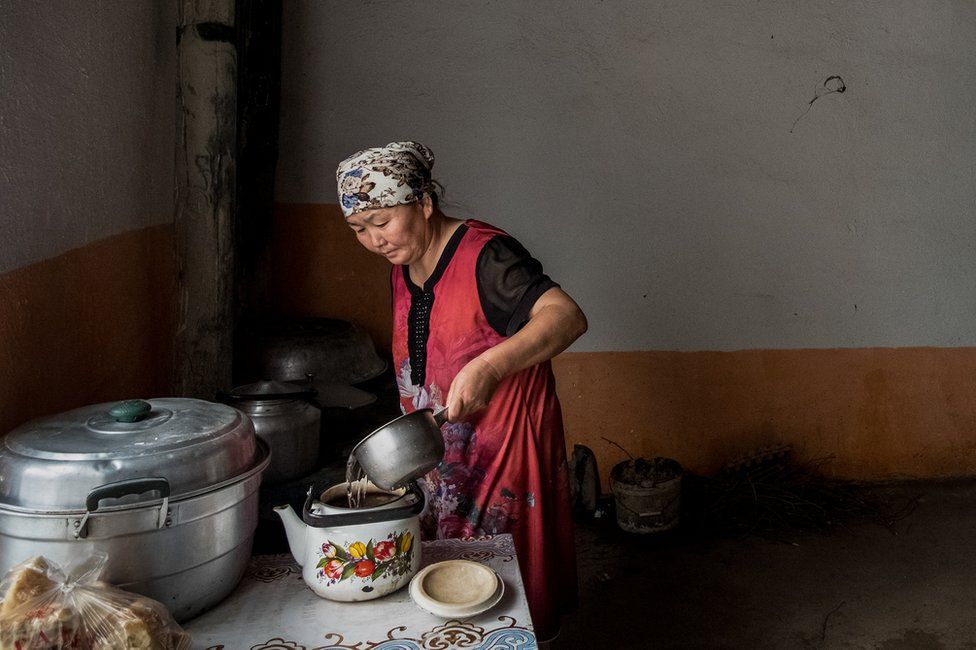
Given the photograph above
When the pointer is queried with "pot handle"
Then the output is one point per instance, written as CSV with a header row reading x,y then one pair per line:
x,y
358,518
131,410
440,418
121,489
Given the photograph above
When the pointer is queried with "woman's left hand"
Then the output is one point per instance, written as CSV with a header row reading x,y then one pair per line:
x,y
471,389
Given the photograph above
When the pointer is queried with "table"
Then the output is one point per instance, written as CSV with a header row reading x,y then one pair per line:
x,y
273,609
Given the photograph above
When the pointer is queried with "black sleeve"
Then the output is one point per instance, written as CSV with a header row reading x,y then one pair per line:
x,y
509,282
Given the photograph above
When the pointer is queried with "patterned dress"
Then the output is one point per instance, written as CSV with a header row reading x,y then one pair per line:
x,y
504,469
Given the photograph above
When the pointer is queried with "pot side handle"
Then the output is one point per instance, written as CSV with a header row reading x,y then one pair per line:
x,y
121,489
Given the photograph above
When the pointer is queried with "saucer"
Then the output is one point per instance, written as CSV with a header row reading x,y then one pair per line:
x,y
456,589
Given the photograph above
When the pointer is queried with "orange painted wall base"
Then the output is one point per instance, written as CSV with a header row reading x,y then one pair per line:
x,y
94,324
881,413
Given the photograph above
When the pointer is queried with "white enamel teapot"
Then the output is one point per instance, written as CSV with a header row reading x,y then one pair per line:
x,y
356,554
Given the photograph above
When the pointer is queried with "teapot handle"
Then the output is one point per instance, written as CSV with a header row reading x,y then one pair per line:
x,y
360,517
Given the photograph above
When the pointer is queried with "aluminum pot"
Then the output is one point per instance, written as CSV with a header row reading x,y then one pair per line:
x,y
167,487
402,450
287,417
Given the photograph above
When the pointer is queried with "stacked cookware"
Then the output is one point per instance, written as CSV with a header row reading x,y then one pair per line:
x,y
167,487
287,417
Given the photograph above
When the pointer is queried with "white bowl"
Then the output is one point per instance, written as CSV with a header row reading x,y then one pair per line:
x,y
456,589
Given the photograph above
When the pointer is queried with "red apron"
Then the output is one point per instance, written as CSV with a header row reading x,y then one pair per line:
x,y
504,469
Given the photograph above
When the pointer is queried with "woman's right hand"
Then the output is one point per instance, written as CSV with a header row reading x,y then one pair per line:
x,y
471,389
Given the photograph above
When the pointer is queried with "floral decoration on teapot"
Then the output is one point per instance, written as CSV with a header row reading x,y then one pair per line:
x,y
390,557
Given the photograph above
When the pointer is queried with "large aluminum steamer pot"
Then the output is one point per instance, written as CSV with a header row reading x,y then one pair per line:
x,y
167,487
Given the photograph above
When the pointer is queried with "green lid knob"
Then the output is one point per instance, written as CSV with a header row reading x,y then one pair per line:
x,y
131,410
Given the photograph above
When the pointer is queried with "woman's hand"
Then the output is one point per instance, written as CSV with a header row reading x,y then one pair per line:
x,y
555,321
471,389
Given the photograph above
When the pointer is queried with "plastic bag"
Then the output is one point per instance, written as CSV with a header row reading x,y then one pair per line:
x,y
46,607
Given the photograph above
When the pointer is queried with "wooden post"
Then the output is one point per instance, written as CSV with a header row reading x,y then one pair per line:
x,y
206,98
258,91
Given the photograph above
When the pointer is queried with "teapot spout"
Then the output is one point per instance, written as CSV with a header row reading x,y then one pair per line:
x,y
294,530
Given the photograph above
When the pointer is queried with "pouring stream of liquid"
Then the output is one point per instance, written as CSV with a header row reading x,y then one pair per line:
x,y
355,482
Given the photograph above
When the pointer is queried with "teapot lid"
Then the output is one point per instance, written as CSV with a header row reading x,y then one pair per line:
x,y
412,504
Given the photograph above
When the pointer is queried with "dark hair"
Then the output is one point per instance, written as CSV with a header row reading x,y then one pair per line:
x,y
435,191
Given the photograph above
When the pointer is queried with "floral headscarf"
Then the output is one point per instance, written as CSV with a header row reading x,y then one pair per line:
x,y
384,177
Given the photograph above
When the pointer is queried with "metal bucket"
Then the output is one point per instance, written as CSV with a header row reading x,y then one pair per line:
x,y
645,507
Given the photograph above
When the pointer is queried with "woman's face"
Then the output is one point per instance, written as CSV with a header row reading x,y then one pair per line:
x,y
399,234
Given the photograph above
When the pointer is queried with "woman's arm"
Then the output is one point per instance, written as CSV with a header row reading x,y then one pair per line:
x,y
555,321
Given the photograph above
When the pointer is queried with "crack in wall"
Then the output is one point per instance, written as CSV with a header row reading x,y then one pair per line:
x,y
830,85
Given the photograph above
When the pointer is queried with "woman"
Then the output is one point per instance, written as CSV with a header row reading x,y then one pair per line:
x,y
475,323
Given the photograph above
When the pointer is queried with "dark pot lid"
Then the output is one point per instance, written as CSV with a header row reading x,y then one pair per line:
x,y
53,464
336,350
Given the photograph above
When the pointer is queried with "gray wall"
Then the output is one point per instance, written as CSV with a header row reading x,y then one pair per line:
x,y
646,153
87,115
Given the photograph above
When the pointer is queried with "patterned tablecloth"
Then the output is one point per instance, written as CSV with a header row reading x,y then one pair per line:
x,y
273,609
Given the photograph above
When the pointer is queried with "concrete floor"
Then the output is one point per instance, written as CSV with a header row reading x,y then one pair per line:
x,y
863,586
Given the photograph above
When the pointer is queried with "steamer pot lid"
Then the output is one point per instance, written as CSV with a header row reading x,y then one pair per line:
x,y
53,463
